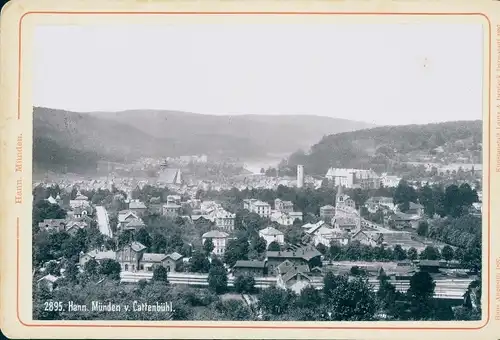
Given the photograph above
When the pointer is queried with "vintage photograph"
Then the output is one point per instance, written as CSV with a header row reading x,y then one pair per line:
x,y
258,172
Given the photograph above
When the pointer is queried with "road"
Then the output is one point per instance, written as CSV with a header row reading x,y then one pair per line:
x,y
103,221
448,288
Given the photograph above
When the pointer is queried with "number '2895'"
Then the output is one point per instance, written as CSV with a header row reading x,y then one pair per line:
x,y
53,306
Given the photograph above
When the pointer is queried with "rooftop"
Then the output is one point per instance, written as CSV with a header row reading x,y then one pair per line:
x,y
270,231
215,234
153,257
249,264
306,253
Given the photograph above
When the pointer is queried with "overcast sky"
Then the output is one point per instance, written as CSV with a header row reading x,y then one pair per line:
x,y
385,74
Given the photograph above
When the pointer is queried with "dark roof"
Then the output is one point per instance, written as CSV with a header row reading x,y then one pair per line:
x,y
306,253
429,263
301,270
153,257
249,264
175,256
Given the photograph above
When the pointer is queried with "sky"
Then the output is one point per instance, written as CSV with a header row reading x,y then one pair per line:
x,y
387,74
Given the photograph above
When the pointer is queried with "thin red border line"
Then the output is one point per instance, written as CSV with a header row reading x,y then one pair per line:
x,y
272,13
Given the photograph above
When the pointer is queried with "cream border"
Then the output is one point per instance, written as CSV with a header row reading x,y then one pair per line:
x,y
17,10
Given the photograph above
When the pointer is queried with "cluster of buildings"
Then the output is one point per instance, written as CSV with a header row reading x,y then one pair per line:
x,y
133,257
358,178
79,215
283,212
215,213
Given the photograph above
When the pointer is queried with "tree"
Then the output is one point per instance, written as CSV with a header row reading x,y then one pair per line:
x,y
217,279
399,253
356,271
386,295
43,210
143,237
52,268
208,246
459,255
234,310
423,228
430,253
91,267
274,246
322,248
412,254
111,268
447,253
199,263
158,243
421,292
275,301
236,250
160,274
330,283
309,298
244,284
351,300
260,245
71,272
403,195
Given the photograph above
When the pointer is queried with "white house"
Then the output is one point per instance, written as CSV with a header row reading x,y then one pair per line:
x,y
284,218
263,209
219,240
271,234
388,181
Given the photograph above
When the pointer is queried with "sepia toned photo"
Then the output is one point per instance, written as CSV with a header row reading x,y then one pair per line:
x,y
241,174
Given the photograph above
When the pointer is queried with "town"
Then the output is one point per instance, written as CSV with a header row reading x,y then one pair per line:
x,y
225,243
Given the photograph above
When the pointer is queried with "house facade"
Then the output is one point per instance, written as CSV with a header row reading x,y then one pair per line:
x,y
219,240
224,220
262,209
171,210
309,256
137,207
130,255
327,212
271,234
251,268
283,206
133,258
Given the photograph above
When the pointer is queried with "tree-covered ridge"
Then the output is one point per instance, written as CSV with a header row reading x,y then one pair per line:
x,y
78,140
381,148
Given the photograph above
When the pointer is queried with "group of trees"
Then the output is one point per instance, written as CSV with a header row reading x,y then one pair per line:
x,y
453,201
391,145
188,303
354,299
54,245
356,251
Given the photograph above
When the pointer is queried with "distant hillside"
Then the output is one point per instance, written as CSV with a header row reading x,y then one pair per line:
x,y
78,140
237,135
380,148
74,141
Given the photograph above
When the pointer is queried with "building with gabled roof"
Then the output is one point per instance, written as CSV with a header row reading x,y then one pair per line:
x,y
252,268
137,207
50,281
219,240
307,255
271,234
98,255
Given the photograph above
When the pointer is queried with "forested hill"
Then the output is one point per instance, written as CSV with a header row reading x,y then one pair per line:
x,y
382,148
76,141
